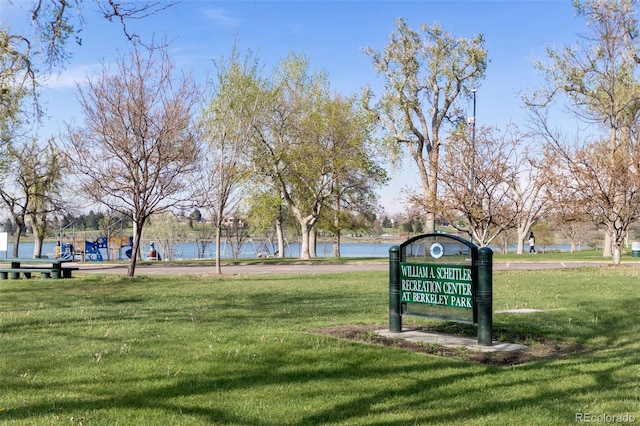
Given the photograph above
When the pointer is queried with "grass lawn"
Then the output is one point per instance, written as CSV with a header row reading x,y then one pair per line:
x,y
241,350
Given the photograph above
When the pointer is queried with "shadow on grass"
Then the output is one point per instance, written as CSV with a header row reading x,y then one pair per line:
x,y
269,374
373,384
431,389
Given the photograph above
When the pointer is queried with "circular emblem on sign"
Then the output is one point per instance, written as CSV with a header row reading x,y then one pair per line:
x,y
436,250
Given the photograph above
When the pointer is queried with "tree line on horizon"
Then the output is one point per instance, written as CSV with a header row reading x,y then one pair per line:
x,y
281,142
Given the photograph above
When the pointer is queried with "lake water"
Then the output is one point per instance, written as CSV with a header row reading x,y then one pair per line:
x,y
249,250
189,250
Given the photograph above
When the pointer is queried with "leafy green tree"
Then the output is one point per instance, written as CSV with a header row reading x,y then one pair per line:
x,y
294,150
427,74
349,133
228,123
412,225
91,221
30,190
17,84
386,222
46,169
267,215
306,145
283,153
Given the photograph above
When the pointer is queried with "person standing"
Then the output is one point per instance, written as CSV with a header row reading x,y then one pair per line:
x,y
532,243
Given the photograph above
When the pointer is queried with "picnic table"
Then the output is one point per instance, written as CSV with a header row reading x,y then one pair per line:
x,y
47,268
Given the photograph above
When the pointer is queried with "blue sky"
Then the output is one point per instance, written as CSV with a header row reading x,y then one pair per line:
x,y
332,34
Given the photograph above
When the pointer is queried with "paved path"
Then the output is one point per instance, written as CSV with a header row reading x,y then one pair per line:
x,y
168,268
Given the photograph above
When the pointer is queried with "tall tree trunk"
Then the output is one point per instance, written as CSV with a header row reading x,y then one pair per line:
x,y
521,237
618,243
137,239
522,231
606,249
218,246
434,176
218,221
39,231
430,223
280,237
336,236
428,180
431,194
37,246
336,244
16,235
306,225
616,254
313,243
304,240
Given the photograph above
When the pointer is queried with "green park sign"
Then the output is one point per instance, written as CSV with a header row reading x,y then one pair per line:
x,y
444,285
442,277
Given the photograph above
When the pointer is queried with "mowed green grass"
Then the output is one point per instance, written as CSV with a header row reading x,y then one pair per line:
x,y
240,350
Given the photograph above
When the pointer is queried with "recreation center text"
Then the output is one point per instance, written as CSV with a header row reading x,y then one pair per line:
x,y
446,285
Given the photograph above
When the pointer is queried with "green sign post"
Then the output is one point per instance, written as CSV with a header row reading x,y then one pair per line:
x,y
444,277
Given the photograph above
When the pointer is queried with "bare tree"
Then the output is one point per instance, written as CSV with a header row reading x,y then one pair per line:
x,y
599,79
530,187
479,195
27,57
136,151
426,73
568,210
234,229
599,180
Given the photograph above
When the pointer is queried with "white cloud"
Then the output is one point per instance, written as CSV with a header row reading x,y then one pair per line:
x,y
220,16
69,77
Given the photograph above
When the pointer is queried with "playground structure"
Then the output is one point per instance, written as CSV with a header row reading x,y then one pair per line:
x,y
69,248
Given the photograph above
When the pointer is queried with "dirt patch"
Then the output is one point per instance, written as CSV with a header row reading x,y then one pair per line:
x,y
538,349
